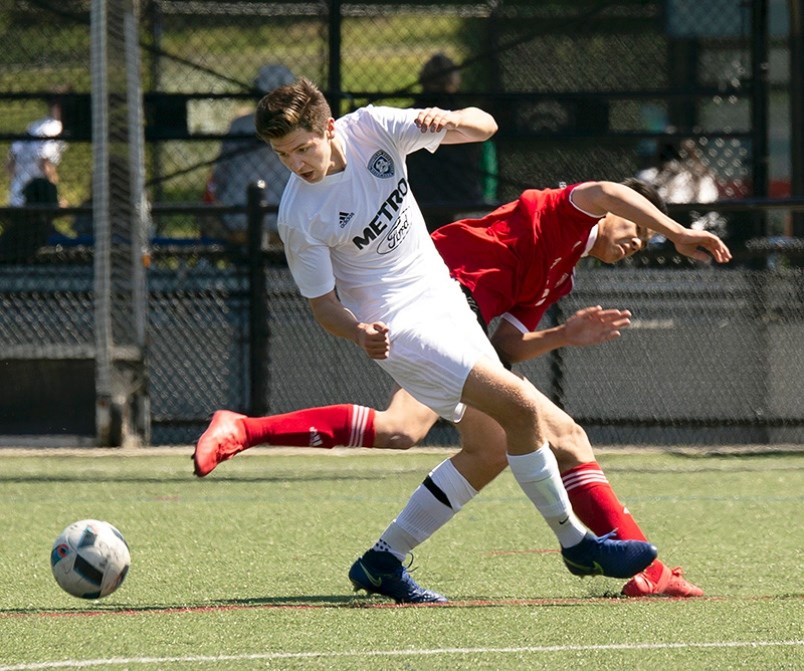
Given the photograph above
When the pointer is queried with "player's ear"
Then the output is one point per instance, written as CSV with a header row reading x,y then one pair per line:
x,y
329,133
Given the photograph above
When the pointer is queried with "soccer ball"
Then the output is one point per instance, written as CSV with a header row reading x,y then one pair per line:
x,y
90,559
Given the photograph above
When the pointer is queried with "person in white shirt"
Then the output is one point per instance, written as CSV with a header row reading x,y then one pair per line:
x,y
32,165
37,157
359,251
244,160
682,176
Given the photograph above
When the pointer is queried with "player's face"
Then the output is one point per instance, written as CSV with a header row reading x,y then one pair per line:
x,y
617,239
308,154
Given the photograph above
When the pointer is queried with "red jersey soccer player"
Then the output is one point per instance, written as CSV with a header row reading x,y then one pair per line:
x,y
513,263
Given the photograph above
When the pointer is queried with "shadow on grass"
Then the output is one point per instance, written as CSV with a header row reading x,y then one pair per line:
x,y
328,601
285,476
299,602
94,608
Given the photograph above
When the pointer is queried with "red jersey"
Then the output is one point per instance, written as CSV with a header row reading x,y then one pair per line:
x,y
520,258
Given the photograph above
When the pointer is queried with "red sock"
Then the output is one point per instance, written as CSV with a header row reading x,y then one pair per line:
x,y
598,507
346,424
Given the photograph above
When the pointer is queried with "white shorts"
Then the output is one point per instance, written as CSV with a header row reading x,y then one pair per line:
x,y
434,346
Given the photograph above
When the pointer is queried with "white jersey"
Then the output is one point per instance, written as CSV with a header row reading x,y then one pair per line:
x,y
361,226
361,231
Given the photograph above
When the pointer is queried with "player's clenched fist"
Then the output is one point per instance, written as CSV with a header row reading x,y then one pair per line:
x,y
374,340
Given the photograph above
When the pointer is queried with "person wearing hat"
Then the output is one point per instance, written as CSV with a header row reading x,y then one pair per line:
x,y
243,160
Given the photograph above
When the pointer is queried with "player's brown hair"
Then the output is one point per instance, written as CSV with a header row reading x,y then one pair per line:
x,y
287,108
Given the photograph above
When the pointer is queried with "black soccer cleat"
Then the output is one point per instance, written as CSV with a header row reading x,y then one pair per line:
x,y
382,573
602,555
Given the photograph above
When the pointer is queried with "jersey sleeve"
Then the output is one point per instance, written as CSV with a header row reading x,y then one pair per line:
x,y
309,262
400,125
525,318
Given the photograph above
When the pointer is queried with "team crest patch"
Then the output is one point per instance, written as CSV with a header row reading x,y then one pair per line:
x,y
381,165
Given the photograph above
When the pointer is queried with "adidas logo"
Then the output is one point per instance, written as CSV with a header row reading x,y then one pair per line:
x,y
315,438
344,218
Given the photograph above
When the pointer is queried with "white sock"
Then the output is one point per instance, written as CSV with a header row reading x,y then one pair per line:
x,y
538,476
434,503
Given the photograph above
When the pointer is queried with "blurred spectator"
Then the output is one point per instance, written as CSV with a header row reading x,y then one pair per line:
x,y
456,175
681,176
39,156
33,170
243,160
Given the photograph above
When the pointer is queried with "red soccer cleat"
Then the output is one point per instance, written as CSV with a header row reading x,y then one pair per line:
x,y
670,583
225,437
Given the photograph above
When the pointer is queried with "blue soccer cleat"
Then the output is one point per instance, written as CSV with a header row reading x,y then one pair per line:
x,y
382,573
602,555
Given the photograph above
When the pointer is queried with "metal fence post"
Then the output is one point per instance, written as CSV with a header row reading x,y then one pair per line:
x,y
258,303
797,109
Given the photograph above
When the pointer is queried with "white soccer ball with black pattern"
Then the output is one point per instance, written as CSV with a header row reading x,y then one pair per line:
x,y
90,559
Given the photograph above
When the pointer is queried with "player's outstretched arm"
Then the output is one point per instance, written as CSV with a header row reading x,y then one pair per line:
x,y
594,325
470,124
599,198
590,326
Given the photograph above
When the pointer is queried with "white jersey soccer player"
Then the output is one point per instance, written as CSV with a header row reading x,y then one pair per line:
x,y
358,227
358,248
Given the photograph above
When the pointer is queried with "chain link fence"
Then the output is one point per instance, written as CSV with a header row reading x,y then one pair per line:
x,y
581,90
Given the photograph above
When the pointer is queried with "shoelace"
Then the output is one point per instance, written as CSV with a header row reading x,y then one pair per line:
x,y
409,568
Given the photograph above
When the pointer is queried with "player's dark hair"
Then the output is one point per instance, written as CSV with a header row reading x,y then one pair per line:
x,y
287,108
649,192
646,190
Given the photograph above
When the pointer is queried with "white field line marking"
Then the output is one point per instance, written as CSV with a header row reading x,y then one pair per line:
x,y
114,661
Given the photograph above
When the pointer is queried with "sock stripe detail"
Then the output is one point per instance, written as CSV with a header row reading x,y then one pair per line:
x,y
436,491
584,478
360,415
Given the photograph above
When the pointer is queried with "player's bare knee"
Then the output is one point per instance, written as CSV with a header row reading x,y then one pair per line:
x,y
495,461
401,441
397,438
570,443
522,424
391,432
